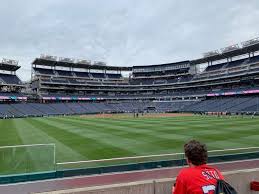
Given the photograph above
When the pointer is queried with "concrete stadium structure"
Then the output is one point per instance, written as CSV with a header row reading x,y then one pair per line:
x,y
61,86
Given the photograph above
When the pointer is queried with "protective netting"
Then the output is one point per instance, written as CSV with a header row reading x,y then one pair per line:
x,y
27,159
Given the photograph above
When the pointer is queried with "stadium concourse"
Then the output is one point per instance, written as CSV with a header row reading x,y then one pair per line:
x,y
219,83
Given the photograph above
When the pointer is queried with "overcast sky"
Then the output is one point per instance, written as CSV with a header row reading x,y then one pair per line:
x,y
120,32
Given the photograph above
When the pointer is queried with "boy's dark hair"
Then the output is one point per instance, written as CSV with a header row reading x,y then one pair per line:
x,y
196,152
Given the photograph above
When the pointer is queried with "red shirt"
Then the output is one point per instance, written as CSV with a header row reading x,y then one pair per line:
x,y
194,180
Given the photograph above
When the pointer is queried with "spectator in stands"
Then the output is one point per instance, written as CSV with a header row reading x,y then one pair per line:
x,y
198,177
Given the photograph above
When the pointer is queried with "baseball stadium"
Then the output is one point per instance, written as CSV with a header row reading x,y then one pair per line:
x,y
82,126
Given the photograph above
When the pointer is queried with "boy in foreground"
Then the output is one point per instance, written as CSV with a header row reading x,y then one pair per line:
x,y
198,177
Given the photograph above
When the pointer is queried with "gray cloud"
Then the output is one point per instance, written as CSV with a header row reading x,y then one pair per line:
x,y
123,32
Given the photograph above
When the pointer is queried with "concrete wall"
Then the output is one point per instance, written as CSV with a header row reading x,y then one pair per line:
x,y
240,180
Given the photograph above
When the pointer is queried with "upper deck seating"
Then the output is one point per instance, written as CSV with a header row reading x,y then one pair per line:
x,y
44,71
98,75
64,73
9,79
254,59
236,63
113,76
82,74
215,67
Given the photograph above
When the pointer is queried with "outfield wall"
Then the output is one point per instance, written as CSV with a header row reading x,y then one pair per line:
x,y
240,180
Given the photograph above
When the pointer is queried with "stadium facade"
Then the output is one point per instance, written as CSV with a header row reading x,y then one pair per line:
x,y
64,86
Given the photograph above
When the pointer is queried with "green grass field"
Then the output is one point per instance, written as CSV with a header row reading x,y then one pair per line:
x,y
79,138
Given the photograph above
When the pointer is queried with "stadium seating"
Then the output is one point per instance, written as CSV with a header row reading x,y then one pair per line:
x,y
226,104
98,75
11,94
113,76
82,74
215,67
43,109
254,59
9,79
64,73
62,87
237,63
25,110
44,71
217,104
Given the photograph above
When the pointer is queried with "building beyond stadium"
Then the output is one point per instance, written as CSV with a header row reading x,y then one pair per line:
x,y
228,84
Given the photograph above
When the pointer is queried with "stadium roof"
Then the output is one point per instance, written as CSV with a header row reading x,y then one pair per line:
x,y
162,65
231,51
9,65
224,53
45,60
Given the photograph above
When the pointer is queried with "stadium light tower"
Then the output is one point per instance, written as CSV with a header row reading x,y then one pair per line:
x,y
99,63
230,48
66,60
48,57
211,53
9,62
84,61
250,42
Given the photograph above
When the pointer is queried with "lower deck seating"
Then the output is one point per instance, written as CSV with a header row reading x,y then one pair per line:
x,y
227,104
217,104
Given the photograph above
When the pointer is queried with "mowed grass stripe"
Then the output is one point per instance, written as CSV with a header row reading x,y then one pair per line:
x,y
216,128
90,148
134,132
11,160
129,127
141,143
174,121
168,142
107,135
9,134
149,140
232,133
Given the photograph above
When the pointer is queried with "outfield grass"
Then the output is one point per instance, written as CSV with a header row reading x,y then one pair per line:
x,y
79,138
